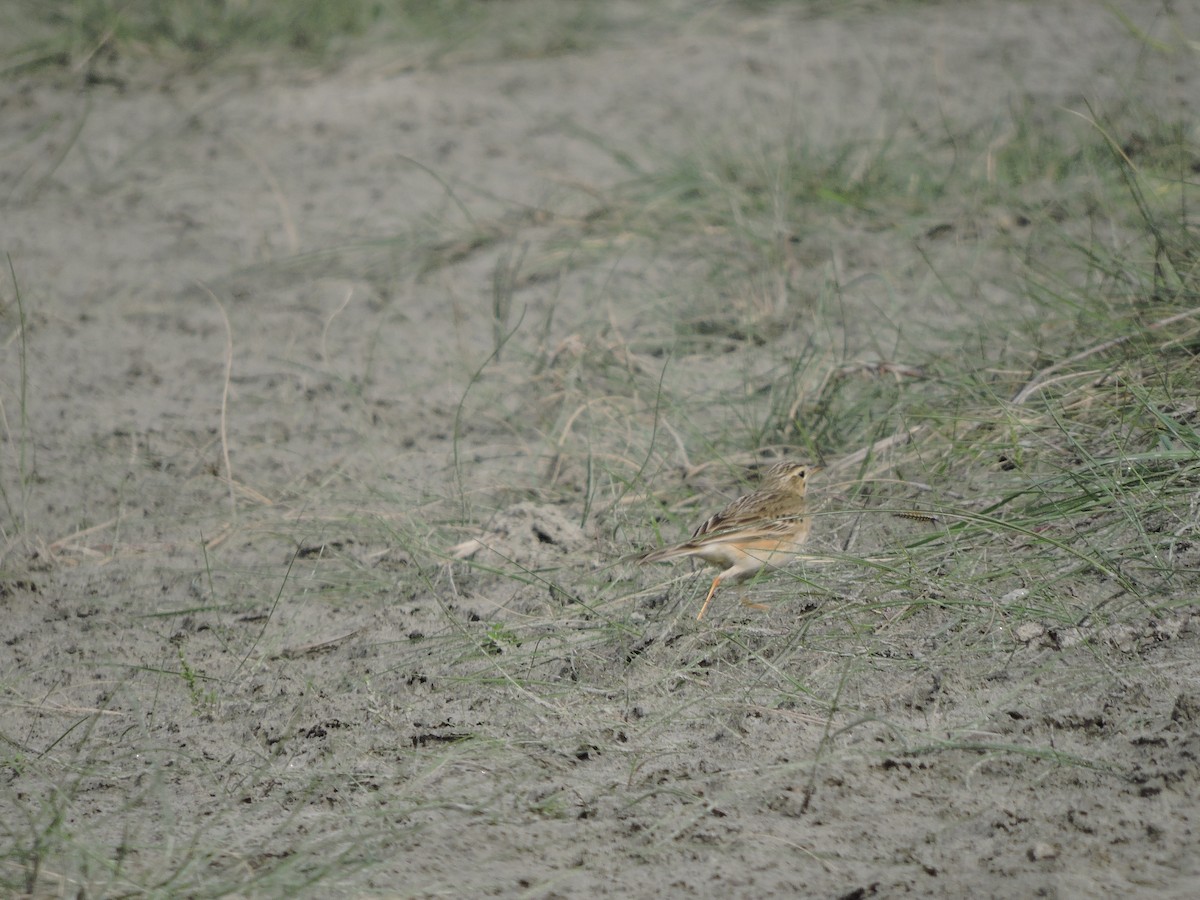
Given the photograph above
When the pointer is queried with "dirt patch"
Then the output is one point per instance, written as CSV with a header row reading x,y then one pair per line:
x,y
288,340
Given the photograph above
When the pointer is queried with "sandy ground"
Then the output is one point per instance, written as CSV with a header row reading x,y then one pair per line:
x,y
257,682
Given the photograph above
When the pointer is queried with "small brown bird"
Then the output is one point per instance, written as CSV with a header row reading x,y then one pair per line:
x,y
752,530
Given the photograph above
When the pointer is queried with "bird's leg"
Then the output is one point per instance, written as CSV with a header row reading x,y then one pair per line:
x,y
712,590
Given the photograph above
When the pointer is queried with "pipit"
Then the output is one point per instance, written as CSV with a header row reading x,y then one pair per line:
x,y
752,531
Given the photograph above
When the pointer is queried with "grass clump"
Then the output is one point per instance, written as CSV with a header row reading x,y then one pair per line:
x,y
69,32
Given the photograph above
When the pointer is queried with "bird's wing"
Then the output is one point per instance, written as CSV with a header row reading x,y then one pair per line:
x,y
777,528
747,531
728,518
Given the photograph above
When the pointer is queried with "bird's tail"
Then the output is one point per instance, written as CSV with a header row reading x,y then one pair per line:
x,y
663,553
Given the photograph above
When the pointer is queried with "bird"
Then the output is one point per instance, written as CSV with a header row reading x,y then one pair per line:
x,y
752,531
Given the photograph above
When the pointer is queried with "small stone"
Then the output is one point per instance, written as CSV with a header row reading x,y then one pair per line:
x,y
1044,850
1066,638
1028,631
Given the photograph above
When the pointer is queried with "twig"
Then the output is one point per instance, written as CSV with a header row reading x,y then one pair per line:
x,y
315,647
63,542
325,331
887,443
1040,379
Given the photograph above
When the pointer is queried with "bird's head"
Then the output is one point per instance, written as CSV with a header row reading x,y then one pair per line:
x,y
791,476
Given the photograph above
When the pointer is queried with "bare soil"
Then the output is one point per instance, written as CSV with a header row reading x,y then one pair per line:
x,y
252,403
